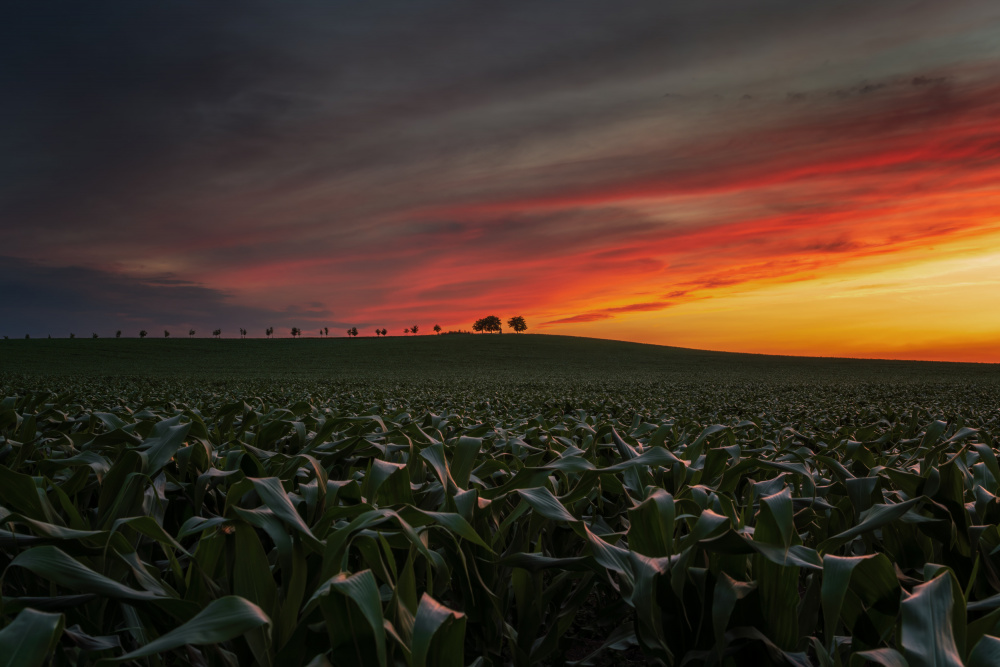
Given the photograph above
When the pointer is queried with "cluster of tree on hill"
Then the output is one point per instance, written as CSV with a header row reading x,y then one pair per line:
x,y
491,324
488,324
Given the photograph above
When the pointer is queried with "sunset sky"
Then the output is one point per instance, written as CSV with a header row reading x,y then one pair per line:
x,y
816,178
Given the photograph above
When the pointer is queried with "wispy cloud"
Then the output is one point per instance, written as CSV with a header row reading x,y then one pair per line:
x,y
583,317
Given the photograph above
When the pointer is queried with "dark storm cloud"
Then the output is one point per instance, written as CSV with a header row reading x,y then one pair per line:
x,y
119,108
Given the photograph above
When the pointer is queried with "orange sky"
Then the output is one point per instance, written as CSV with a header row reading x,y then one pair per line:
x,y
771,176
882,240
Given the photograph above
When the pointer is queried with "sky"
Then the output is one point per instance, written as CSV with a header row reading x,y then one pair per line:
x,y
809,178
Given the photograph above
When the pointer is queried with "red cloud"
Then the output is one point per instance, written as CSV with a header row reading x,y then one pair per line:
x,y
585,317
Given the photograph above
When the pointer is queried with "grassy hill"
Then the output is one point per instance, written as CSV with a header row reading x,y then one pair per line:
x,y
526,357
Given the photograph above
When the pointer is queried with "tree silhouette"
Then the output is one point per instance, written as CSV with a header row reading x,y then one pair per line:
x,y
27,336
190,333
217,333
142,334
72,335
118,334
243,332
517,324
269,332
326,331
166,334
353,331
406,331
489,324
93,335
437,329
414,328
385,332
296,332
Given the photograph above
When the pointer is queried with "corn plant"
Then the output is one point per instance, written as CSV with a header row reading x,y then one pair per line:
x,y
293,523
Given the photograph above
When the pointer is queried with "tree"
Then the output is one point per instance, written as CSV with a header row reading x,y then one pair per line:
x,y
72,335
295,332
406,331
489,324
118,334
414,328
517,324
217,333
326,331
243,332
269,332
93,335
190,333
437,329
142,334
353,331
385,332
166,334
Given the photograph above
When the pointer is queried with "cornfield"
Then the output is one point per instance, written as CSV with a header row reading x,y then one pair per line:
x,y
298,523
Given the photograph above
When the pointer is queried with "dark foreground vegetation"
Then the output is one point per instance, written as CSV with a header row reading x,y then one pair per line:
x,y
492,500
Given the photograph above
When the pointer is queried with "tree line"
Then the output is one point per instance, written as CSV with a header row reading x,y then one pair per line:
x,y
488,324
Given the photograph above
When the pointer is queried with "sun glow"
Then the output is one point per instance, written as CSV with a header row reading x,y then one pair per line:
x,y
939,303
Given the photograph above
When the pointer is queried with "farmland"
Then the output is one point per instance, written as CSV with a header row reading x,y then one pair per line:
x,y
493,500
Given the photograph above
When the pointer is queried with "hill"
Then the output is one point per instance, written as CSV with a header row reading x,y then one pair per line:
x,y
525,357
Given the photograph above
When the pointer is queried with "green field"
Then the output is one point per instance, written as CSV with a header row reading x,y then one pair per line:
x,y
528,357
492,500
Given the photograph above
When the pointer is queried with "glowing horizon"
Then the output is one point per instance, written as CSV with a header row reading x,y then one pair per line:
x,y
774,178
